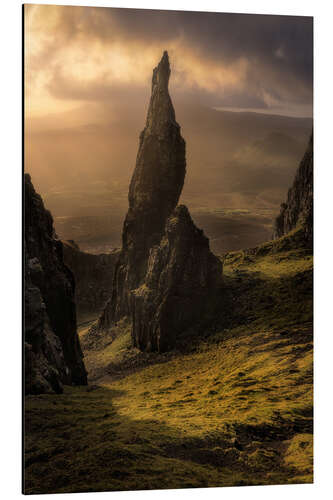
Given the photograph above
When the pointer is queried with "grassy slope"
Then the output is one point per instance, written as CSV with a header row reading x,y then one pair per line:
x,y
233,409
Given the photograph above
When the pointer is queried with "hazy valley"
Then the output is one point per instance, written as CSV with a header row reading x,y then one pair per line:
x,y
239,167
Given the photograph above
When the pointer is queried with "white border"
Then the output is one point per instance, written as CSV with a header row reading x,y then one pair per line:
x,y
10,228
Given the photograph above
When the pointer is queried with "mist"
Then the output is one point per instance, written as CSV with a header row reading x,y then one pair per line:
x,y
242,96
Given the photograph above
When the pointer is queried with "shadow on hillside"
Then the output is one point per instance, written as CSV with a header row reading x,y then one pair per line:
x,y
79,442
247,301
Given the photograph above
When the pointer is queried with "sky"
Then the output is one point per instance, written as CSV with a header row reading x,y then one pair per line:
x,y
242,88
76,55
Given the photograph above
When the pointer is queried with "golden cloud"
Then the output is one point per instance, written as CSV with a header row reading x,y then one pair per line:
x,y
83,61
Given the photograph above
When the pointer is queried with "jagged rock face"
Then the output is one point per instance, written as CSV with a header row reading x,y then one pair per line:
x,y
166,274
181,277
45,368
93,278
154,192
53,353
298,210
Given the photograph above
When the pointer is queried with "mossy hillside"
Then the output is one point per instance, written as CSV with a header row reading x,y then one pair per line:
x,y
105,350
271,285
233,408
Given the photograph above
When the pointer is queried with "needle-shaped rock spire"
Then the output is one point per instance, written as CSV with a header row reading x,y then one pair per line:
x,y
154,192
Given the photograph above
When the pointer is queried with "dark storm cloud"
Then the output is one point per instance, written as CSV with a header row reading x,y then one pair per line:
x,y
282,46
278,51
218,35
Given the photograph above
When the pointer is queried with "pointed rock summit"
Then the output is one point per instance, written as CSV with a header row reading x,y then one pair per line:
x,y
159,173
161,111
156,231
154,192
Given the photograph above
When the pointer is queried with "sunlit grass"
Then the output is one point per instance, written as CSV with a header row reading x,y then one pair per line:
x,y
235,408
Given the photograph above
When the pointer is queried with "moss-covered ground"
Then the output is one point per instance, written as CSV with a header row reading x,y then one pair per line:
x,y
233,407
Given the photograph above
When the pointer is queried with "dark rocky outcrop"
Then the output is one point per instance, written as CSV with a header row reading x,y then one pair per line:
x,y
166,273
93,278
181,277
45,367
297,212
154,192
52,350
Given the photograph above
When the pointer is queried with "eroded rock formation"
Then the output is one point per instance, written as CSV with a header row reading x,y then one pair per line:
x,y
93,278
52,350
154,192
298,209
166,273
181,278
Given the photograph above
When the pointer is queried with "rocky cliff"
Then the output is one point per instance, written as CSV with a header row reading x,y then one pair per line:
x,y
93,278
166,272
52,350
182,275
298,209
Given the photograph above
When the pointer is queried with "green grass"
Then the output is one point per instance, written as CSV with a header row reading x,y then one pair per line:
x,y
232,408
